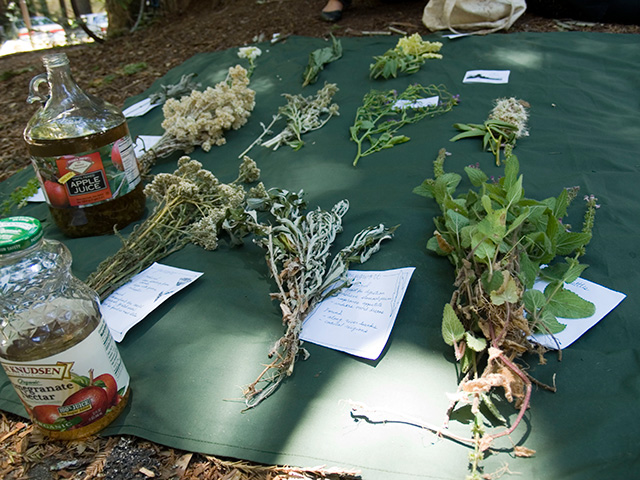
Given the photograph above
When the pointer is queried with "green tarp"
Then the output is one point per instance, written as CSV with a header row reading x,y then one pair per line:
x,y
190,358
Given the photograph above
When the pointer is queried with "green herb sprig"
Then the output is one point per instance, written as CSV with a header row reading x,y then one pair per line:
x,y
18,197
383,113
319,58
500,243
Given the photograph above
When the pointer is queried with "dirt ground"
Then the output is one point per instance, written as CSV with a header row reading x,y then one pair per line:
x,y
162,44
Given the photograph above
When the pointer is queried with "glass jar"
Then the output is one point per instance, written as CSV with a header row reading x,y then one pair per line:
x,y
54,345
83,155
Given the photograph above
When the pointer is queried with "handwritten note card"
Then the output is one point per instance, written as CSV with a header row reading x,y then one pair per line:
x,y
604,300
139,109
359,319
486,76
418,103
132,302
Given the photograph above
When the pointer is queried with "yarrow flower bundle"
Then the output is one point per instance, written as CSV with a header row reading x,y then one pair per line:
x,y
407,56
191,206
201,118
506,123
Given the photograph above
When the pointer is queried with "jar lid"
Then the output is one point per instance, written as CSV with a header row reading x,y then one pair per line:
x,y
19,233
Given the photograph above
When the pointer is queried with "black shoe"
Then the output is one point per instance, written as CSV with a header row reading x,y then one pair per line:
x,y
335,15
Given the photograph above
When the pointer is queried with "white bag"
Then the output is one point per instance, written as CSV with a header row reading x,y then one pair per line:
x,y
472,16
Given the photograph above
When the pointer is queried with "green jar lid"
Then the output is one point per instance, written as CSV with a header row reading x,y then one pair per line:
x,y
19,233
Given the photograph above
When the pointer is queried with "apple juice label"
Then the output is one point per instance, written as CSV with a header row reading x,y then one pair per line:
x,y
89,178
73,388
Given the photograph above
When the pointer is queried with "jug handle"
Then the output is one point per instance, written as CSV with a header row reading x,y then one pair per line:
x,y
34,85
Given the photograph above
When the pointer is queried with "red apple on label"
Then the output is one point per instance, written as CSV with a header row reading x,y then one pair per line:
x,y
116,157
46,413
111,387
57,194
96,397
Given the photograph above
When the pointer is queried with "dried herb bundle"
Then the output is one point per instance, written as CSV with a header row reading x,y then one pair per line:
x,y
499,243
201,118
191,206
298,253
303,115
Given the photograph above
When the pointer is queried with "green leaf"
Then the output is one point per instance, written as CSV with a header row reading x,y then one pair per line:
x,y
432,245
466,362
528,270
452,328
566,304
515,192
561,204
492,408
483,248
550,322
509,293
456,221
467,134
493,283
563,272
425,189
569,242
475,344
511,169
533,300
476,176
486,203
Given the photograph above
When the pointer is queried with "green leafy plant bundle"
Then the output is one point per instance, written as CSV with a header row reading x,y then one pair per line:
x,y
500,242
407,56
383,113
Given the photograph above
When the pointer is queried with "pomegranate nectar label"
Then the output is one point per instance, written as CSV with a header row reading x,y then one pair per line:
x,y
89,178
74,388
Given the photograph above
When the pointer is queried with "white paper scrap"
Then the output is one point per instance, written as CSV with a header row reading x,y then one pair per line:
x,y
37,197
358,320
418,103
144,143
139,109
604,300
486,76
132,302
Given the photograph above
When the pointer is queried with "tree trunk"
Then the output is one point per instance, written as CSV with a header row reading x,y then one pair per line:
x,y
119,18
84,6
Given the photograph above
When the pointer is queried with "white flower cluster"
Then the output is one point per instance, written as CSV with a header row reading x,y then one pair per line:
x,y
250,53
202,117
513,111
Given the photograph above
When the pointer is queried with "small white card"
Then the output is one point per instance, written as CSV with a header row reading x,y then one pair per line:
x,y
486,76
358,320
37,197
144,143
419,103
139,109
132,302
604,300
